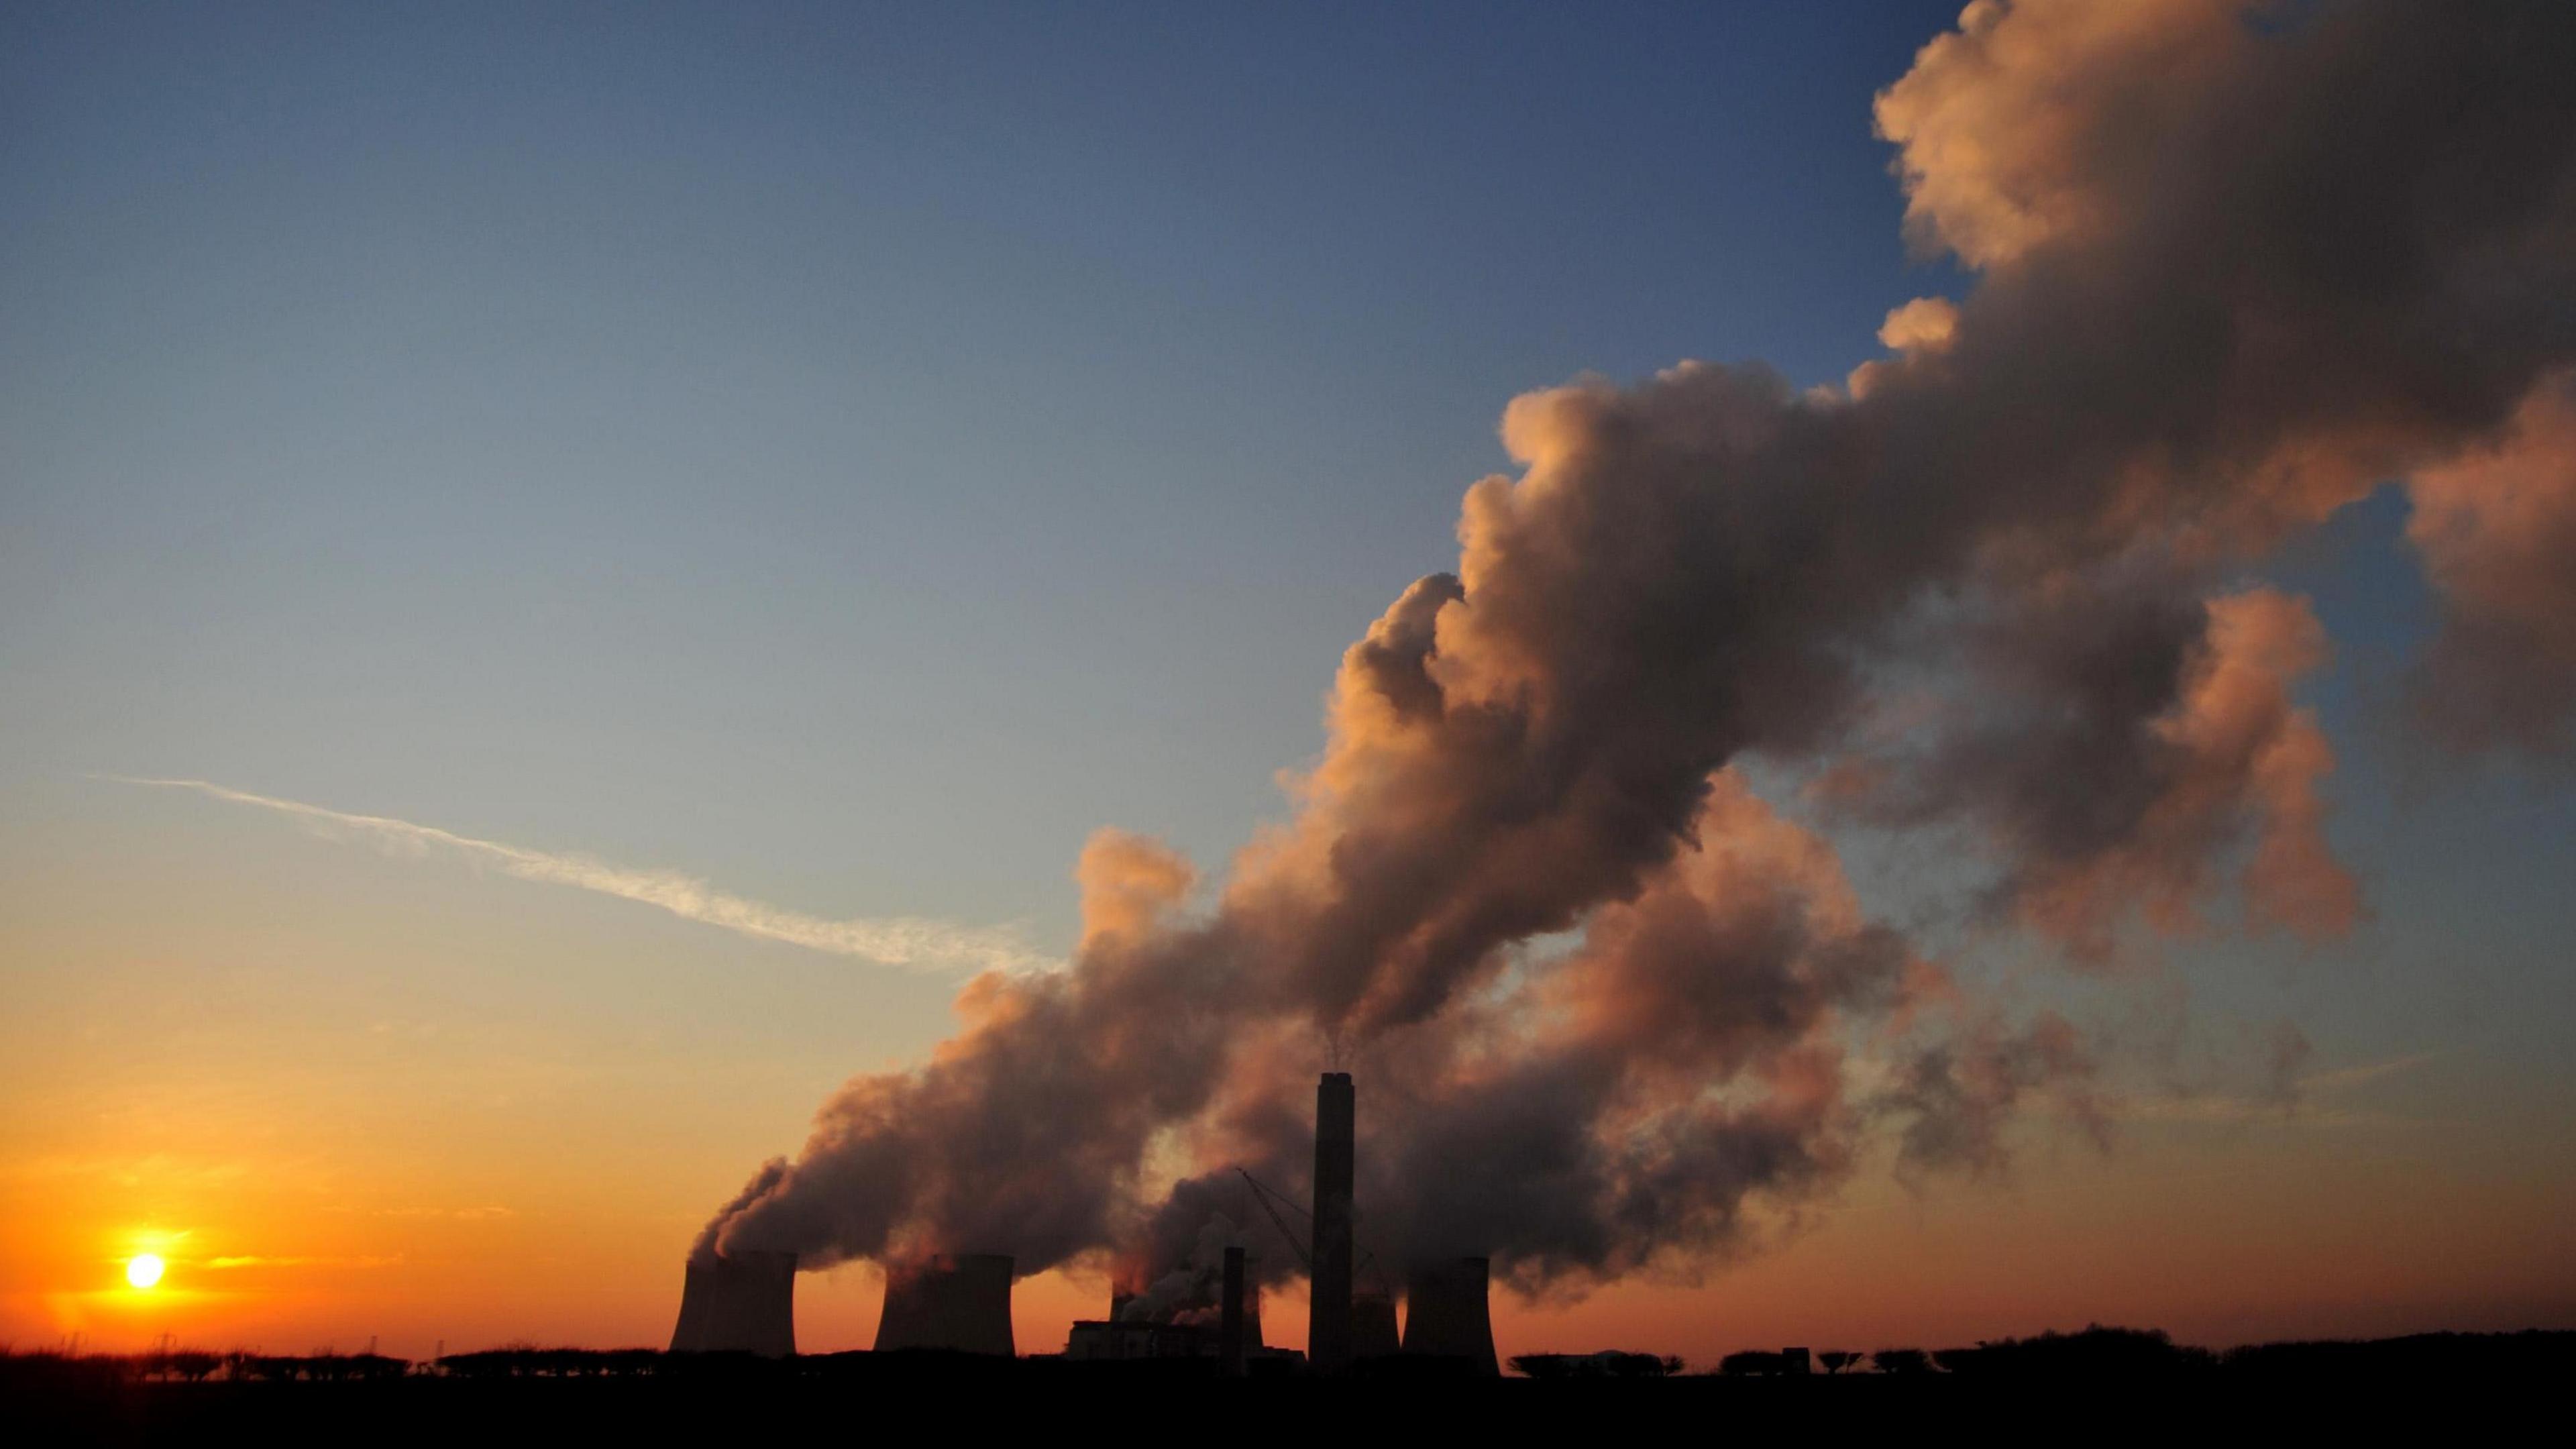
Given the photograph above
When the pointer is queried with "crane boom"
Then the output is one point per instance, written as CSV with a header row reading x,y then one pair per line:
x,y
1261,1195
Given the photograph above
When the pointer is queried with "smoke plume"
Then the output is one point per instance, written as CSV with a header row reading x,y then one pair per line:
x,y
2497,527
2235,266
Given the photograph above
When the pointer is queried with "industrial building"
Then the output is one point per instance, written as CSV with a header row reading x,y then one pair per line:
x,y
744,1302
1446,1315
1227,1329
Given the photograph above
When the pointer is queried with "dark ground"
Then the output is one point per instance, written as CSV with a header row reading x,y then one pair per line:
x,y
2454,1388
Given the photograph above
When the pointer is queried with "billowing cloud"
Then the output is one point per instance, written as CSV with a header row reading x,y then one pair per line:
x,y
1955,1097
2234,267
2125,750
1130,883
2497,529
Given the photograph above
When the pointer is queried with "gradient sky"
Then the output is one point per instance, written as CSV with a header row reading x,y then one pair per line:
x,y
848,455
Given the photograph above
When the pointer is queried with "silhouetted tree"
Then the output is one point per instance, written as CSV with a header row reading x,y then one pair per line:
x,y
1902,1361
490,1363
1836,1360
1607,1364
2096,1352
2533,1355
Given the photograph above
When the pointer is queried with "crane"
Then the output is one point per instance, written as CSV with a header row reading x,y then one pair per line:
x,y
1262,1193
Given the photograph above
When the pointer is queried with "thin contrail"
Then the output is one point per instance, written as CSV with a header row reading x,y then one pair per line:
x,y
895,940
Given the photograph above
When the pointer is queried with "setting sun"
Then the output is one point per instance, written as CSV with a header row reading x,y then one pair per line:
x,y
143,1270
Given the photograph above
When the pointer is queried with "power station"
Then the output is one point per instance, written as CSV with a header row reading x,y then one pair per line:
x,y
744,1302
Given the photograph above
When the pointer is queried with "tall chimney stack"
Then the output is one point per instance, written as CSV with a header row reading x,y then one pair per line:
x,y
1229,1329
1328,1336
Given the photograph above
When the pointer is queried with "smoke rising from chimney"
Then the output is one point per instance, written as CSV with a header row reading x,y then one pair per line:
x,y
2235,267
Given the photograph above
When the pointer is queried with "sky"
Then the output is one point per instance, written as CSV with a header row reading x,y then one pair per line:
x,y
768,482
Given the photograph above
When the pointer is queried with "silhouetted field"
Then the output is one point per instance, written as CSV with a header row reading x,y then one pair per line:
x,y
2123,1382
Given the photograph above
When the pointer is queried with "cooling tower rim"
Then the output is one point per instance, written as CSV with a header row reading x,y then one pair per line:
x,y
1448,1268
718,1259
946,1265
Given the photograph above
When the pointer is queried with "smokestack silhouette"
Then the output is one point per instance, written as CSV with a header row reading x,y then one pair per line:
x,y
1445,1314
740,1303
1328,1335
958,1301
1229,1331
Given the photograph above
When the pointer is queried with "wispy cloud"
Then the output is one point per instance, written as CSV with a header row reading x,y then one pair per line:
x,y
255,1260
2218,1107
2345,1078
2209,1108
894,940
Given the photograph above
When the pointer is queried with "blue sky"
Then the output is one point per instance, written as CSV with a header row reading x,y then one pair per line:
x,y
853,445
852,453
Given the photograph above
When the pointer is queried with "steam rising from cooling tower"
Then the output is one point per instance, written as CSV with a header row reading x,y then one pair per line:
x,y
1613,1005
739,1303
959,1302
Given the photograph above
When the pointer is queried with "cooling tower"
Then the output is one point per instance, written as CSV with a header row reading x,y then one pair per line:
x,y
956,1301
1445,1313
695,1289
738,1303
1328,1336
1372,1326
